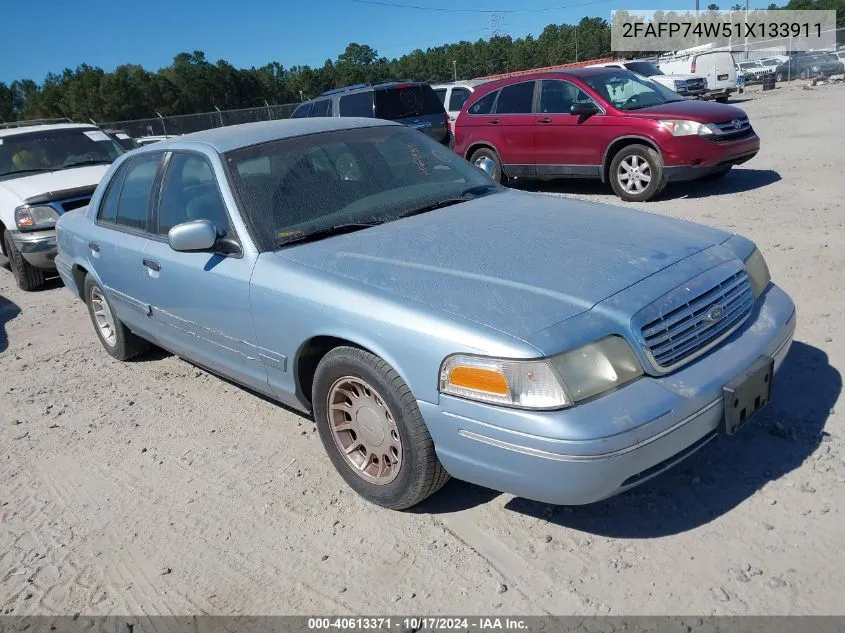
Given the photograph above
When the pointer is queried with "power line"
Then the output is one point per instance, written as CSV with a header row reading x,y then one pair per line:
x,y
397,5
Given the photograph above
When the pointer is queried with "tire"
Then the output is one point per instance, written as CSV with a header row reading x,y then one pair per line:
x,y
485,152
368,383
123,345
638,154
715,175
722,99
780,77
804,74
29,277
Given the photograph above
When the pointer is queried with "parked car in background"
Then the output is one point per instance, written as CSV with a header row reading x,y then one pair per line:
x,y
453,96
808,67
606,123
718,67
123,139
619,342
773,62
753,71
46,170
149,140
687,86
411,103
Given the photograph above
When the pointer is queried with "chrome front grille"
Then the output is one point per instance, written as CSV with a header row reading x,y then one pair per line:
x,y
731,127
690,327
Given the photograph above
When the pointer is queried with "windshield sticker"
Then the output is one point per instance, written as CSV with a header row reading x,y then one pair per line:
x,y
96,135
415,154
125,137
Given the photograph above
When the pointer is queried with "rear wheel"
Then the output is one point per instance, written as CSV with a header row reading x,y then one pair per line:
x,y
372,430
115,337
804,74
488,161
28,276
636,173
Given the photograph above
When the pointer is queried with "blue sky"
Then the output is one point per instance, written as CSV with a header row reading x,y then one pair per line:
x,y
51,35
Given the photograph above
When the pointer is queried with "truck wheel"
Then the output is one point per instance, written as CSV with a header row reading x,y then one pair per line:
x,y
489,162
28,276
636,173
372,430
115,337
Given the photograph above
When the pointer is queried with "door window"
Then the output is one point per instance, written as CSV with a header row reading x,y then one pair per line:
x,y
558,97
108,205
457,99
441,95
516,98
360,104
322,108
136,191
190,193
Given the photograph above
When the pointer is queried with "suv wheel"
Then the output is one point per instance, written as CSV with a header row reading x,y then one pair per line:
x,y
28,276
373,431
780,77
115,337
489,162
804,74
636,173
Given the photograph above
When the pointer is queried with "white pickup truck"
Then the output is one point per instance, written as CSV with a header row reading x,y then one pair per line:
x,y
689,86
46,169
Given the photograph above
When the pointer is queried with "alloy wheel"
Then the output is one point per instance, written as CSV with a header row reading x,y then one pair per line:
x,y
103,317
634,174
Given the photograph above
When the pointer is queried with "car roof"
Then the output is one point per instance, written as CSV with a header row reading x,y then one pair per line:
x,y
36,128
471,83
580,73
232,137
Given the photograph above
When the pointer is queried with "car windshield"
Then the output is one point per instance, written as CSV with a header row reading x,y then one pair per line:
x,y
647,69
51,150
749,65
304,186
627,91
124,140
407,101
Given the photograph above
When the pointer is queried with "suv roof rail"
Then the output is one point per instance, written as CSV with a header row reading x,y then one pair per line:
x,y
34,122
344,89
368,85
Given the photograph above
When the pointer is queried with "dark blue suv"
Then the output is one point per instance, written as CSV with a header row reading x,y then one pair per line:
x,y
411,103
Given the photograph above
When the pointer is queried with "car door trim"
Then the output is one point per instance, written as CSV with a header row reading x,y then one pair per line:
x,y
580,171
129,300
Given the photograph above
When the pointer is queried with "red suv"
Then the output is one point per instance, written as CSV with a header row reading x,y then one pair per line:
x,y
606,123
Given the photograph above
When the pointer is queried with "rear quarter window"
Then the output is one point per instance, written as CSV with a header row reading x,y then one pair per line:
x,y
484,105
360,104
410,101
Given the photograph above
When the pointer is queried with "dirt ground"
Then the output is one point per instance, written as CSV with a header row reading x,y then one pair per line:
x,y
152,487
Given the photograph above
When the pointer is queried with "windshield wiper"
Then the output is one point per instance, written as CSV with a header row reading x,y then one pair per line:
x,y
37,170
339,229
86,162
467,194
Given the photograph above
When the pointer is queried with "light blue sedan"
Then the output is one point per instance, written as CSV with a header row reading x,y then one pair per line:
x,y
434,322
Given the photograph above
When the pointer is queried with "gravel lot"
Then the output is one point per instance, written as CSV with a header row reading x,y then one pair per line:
x,y
153,487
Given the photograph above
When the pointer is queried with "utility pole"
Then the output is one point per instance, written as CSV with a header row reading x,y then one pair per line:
x,y
455,69
220,115
162,123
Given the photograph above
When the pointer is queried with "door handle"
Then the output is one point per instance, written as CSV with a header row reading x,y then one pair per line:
x,y
494,121
154,266
94,247
544,120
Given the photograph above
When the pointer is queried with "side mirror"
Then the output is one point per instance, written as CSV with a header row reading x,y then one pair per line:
x,y
587,108
195,235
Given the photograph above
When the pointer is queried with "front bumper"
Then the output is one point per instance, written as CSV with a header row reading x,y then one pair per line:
x,y
38,248
701,157
552,457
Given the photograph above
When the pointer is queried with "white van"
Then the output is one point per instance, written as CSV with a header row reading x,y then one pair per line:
x,y
454,95
717,66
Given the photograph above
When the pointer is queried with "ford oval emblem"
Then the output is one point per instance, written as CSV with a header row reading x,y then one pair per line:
x,y
715,313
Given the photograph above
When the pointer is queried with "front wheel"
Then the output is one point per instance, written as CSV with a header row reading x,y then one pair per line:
x,y
115,337
28,276
372,429
804,75
780,77
636,173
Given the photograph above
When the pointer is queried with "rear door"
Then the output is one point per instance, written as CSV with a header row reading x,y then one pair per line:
x,y
512,125
414,105
200,301
565,144
119,235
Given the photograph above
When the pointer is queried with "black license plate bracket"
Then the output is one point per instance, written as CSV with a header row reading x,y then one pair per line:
x,y
746,394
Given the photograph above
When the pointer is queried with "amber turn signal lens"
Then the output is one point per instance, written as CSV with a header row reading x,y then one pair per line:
x,y
480,379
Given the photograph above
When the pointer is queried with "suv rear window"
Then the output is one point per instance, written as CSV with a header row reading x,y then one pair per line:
x,y
400,103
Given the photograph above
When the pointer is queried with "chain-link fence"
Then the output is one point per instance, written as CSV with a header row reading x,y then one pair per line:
x,y
187,123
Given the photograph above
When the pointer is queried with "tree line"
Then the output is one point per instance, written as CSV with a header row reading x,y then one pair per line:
x,y
192,83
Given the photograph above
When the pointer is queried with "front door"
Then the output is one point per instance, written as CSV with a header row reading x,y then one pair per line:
x,y
566,144
200,300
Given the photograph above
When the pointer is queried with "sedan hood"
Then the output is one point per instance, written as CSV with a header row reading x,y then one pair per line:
x,y
38,184
513,261
701,111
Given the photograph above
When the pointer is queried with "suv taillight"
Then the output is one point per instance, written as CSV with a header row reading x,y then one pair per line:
x,y
692,68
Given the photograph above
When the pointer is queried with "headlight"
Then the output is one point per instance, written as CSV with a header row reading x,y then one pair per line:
x,y
680,127
41,217
757,269
552,383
